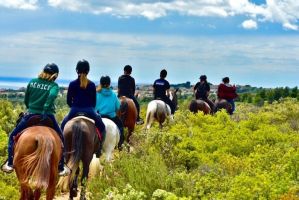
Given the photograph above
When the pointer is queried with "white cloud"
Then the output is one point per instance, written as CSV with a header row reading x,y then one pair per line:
x,y
249,24
109,52
20,4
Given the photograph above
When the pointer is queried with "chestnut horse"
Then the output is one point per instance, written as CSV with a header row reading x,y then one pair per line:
x,y
81,142
158,110
200,105
128,115
36,157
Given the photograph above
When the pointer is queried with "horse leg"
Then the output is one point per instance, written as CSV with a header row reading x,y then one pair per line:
x,y
86,163
130,130
37,194
52,182
26,192
74,185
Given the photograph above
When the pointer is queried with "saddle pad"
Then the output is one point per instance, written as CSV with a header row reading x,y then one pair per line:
x,y
83,117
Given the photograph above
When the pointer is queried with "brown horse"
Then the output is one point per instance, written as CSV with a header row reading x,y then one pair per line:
x,y
81,142
36,158
223,104
199,105
128,115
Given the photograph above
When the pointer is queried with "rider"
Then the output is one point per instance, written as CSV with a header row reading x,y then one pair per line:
x,y
108,104
202,90
126,87
39,100
81,98
161,90
227,91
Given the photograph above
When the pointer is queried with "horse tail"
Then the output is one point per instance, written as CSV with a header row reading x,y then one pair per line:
x,y
37,164
77,141
151,109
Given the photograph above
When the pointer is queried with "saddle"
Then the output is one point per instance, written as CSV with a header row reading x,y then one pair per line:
x,y
82,115
35,120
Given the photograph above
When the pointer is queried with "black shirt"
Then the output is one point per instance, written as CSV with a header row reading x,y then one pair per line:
x,y
201,90
160,86
126,85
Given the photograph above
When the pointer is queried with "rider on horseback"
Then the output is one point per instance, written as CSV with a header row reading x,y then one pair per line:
x,y
228,92
39,100
202,90
81,98
161,90
126,87
108,104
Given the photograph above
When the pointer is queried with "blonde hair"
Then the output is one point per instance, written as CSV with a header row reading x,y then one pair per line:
x,y
47,76
83,80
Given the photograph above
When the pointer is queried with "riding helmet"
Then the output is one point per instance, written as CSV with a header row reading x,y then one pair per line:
x,y
51,68
105,80
82,67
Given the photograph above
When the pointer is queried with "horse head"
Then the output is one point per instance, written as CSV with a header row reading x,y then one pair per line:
x,y
174,97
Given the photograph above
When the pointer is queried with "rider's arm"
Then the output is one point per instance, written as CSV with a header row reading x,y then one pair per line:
x,y
93,95
53,93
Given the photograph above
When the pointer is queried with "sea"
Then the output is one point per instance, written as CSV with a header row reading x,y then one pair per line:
x,y
16,83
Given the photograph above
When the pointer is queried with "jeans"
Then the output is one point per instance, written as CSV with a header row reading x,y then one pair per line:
x,y
232,102
22,125
90,113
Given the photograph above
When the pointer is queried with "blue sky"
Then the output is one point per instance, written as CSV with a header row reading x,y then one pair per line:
x,y
253,42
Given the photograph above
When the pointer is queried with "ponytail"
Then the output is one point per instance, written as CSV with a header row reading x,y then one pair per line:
x,y
83,80
47,76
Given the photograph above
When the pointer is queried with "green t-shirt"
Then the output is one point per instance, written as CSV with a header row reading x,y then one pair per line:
x,y
40,96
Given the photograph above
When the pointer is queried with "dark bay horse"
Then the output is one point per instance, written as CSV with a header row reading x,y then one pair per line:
x,y
158,110
81,142
200,105
128,115
223,104
36,157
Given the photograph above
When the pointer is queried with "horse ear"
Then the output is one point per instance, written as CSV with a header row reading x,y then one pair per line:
x,y
176,90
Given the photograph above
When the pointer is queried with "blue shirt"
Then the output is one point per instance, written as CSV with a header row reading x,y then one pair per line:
x,y
80,97
107,102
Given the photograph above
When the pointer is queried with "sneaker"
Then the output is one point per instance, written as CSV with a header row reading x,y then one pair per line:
x,y
7,168
139,121
65,172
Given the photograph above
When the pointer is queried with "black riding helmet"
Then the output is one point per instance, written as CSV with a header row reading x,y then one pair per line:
x,y
82,67
105,80
51,68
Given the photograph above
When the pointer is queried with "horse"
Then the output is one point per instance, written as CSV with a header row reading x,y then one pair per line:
x,y
223,104
81,142
199,105
158,110
36,156
128,115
